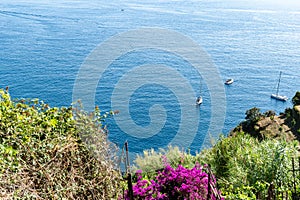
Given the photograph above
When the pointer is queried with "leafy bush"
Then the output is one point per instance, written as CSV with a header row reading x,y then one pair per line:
x,y
253,115
269,113
43,153
179,183
246,167
296,99
151,161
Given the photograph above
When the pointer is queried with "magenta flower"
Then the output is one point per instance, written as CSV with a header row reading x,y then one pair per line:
x,y
179,183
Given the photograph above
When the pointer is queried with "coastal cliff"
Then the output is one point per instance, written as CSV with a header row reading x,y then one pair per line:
x,y
286,125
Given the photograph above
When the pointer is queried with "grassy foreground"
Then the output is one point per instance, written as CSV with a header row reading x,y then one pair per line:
x,y
64,153
43,156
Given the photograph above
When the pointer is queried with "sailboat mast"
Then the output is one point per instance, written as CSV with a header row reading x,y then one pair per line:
x,y
200,87
278,83
276,96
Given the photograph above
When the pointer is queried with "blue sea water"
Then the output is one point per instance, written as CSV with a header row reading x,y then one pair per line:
x,y
44,44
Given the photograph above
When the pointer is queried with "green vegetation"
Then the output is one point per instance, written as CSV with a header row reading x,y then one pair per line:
x,y
253,115
42,155
296,99
151,161
244,167
253,161
247,167
64,153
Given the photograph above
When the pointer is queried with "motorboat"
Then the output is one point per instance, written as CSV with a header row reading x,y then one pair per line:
x,y
229,81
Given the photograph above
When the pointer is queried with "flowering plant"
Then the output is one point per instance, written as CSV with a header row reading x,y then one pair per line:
x,y
170,183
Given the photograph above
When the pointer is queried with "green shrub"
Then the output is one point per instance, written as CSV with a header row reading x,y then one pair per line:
x,y
270,113
242,161
244,166
296,99
253,115
151,161
44,153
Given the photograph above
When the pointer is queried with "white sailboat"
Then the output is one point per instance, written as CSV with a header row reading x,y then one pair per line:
x,y
199,100
277,96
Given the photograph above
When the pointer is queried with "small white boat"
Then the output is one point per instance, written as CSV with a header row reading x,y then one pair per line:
x,y
199,100
277,96
229,81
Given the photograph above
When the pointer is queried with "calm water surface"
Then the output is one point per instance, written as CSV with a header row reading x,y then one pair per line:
x,y
42,46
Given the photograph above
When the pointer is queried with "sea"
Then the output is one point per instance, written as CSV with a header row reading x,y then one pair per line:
x,y
162,55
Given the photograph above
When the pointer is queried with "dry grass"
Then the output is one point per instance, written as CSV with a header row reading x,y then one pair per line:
x,y
46,154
